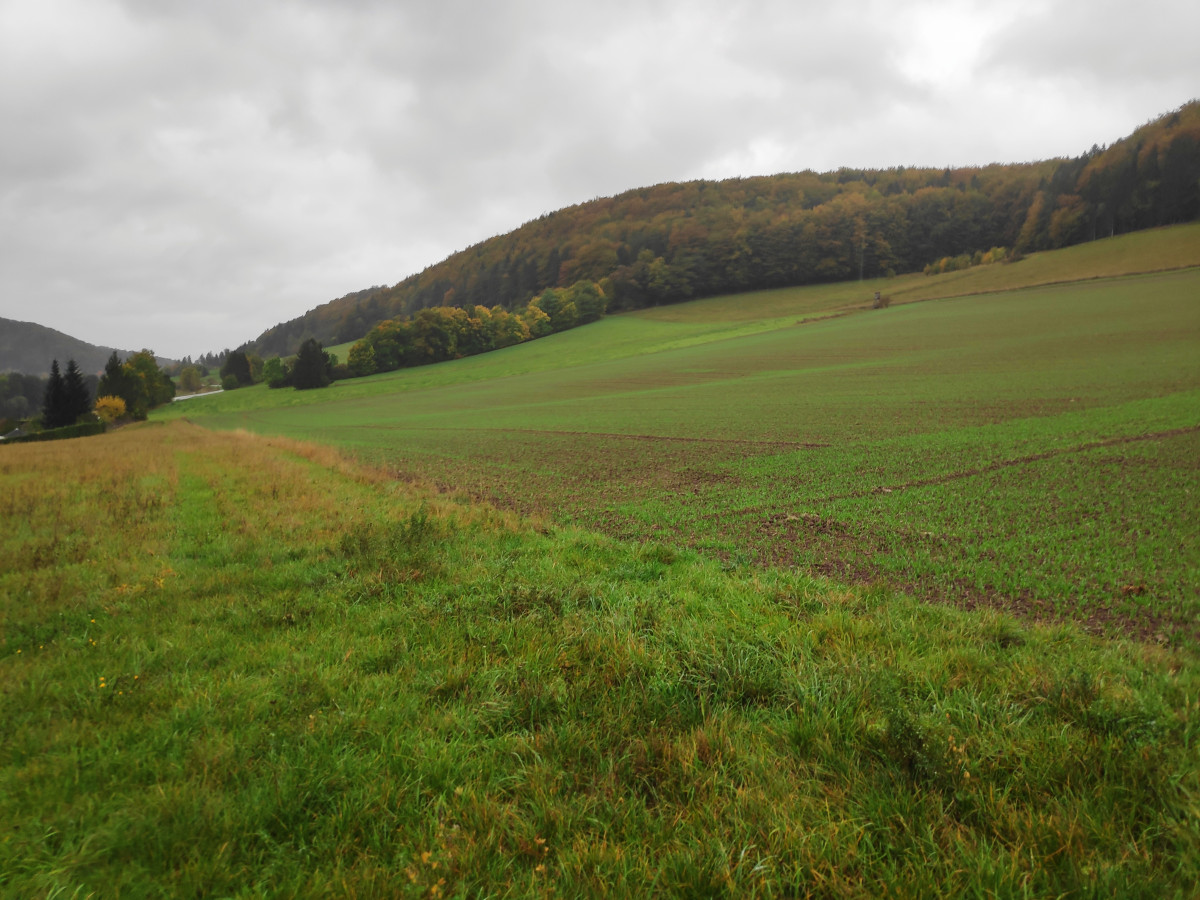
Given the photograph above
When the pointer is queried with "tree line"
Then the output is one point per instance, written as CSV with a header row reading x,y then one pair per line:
x,y
433,335
450,332
677,241
22,396
126,389
67,397
311,367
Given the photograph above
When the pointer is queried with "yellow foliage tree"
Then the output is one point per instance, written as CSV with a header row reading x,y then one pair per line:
x,y
109,409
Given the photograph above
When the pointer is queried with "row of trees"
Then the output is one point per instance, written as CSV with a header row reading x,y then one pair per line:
x,y
22,396
66,398
432,335
311,367
203,362
671,242
448,332
968,260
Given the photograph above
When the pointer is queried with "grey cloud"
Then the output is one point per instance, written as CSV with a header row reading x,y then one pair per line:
x,y
1102,41
186,174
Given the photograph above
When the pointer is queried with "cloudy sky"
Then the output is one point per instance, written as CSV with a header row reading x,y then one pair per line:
x,y
182,174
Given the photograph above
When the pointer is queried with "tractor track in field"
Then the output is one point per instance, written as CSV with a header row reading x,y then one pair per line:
x,y
974,472
1008,464
776,536
652,438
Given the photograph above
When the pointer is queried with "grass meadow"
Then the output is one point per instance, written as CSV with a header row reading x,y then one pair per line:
x,y
242,666
767,596
1029,443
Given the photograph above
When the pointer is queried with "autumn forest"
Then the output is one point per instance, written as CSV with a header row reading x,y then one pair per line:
x,y
677,241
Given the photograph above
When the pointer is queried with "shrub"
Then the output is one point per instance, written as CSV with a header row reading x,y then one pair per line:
x,y
110,409
87,429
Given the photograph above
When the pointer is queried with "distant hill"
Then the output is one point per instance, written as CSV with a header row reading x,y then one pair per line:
x,y
29,348
678,241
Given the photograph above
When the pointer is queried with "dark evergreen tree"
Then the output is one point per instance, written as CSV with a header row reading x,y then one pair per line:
x,y
237,364
77,399
114,382
312,366
53,403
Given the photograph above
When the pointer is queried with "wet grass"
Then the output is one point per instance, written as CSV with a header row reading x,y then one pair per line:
x,y
240,666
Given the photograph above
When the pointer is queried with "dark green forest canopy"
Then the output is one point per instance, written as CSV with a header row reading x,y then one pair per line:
x,y
677,241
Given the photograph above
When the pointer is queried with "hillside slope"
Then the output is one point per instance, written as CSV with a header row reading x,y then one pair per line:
x,y
29,348
951,445
672,242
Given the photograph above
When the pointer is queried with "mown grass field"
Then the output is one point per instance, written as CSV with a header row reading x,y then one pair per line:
x,y
1018,436
237,666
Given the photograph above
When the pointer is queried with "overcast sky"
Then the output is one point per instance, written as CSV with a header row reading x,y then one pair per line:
x,y
182,174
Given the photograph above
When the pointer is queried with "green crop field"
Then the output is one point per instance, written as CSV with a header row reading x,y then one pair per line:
x,y
775,596
1033,448
242,667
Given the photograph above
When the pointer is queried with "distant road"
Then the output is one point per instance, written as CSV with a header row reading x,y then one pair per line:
x,y
202,394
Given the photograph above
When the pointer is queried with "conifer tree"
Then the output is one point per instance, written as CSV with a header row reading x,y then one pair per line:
x,y
53,402
77,399
237,364
312,366
114,383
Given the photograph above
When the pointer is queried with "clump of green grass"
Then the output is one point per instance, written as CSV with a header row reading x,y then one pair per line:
x,y
292,676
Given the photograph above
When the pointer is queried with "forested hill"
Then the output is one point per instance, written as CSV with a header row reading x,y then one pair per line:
x,y
29,348
676,241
